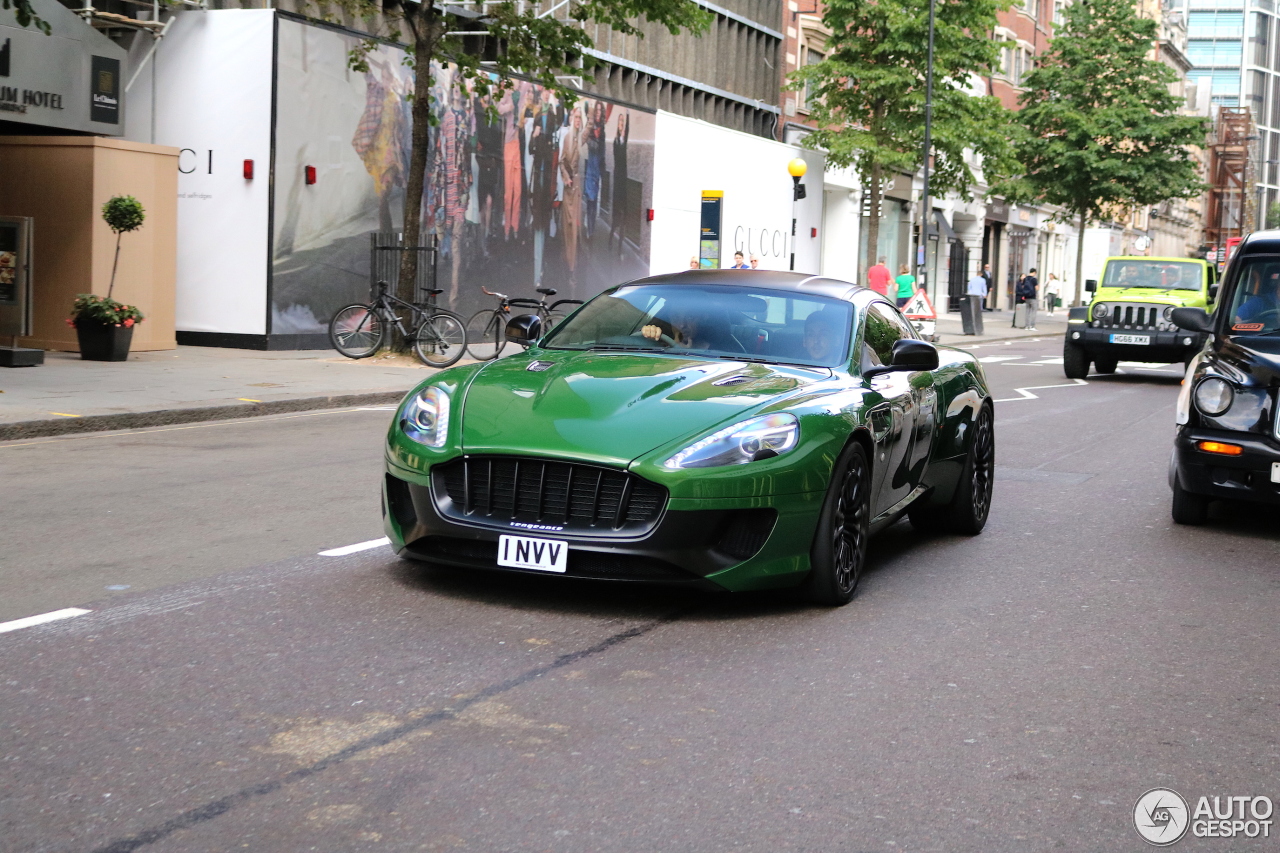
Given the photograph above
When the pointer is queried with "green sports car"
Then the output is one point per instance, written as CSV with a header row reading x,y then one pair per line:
x,y
736,430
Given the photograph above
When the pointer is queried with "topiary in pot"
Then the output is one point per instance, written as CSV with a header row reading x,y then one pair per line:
x,y
104,326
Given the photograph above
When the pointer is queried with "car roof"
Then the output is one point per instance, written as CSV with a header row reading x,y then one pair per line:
x,y
1261,242
1161,260
793,282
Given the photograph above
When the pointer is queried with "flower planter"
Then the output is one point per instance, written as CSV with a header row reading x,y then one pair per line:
x,y
102,342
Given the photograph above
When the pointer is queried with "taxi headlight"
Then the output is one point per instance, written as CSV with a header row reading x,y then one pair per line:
x,y
1213,396
1100,311
759,438
425,418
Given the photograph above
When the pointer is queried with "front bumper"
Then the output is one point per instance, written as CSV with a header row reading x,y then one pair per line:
x,y
727,544
1164,346
1245,477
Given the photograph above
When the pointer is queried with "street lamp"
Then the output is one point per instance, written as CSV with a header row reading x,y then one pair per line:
x,y
796,169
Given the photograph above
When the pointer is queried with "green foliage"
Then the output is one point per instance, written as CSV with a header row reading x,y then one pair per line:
x,y
1273,216
26,15
123,213
1101,128
868,94
103,310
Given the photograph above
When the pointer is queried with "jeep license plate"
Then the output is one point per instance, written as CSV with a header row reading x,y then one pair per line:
x,y
1130,339
526,552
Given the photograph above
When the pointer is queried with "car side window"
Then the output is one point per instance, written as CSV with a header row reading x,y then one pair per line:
x,y
882,327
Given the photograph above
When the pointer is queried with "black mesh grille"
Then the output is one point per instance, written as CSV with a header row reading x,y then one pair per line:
x,y
563,495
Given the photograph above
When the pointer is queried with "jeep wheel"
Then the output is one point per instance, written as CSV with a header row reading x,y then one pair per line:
x,y
1106,365
1189,507
1075,361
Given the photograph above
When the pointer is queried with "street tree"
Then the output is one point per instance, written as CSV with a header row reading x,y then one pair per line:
x,y
26,15
1101,129
487,43
867,95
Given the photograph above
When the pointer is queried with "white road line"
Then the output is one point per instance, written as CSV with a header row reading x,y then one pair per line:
x,y
378,408
1025,393
29,621
996,359
359,546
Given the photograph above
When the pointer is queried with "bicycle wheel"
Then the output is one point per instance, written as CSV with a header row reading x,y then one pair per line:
x,y
357,331
441,339
486,334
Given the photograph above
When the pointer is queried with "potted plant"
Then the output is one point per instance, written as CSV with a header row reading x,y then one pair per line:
x,y
104,326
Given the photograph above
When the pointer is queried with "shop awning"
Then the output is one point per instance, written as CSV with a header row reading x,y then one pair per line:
x,y
943,226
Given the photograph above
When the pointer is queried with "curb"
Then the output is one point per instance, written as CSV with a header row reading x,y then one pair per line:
x,y
167,417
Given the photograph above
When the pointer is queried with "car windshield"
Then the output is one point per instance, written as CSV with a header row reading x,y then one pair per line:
x,y
751,323
1255,304
1163,275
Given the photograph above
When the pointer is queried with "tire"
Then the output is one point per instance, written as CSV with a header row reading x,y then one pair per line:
x,y
441,339
486,334
1188,507
357,331
1075,361
1105,365
839,552
971,504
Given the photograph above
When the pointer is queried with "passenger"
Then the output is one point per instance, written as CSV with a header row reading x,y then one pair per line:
x,y
821,336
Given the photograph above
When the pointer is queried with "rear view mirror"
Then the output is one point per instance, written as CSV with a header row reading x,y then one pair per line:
x,y
524,329
1192,319
1091,285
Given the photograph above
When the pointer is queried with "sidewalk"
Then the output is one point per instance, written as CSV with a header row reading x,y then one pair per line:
x,y
191,384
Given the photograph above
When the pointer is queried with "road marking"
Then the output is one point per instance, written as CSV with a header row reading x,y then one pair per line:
x,y
994,359
378,408
359,546
248,399
66,415
54,616
1025,393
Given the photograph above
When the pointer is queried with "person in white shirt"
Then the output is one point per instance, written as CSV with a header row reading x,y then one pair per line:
x,y
1052,288
978,286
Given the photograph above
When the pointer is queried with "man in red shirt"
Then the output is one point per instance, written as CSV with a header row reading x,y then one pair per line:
x,y
878,278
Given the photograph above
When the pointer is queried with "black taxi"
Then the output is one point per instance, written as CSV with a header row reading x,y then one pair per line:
x,y
1228,439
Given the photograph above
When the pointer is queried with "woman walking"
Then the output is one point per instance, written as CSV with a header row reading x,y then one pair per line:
x,y
1052,288
906,285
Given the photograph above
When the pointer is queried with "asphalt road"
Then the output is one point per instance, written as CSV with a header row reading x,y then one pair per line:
x,y
1016,691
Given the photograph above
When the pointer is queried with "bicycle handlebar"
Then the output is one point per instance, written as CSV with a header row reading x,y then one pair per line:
x,y
488,292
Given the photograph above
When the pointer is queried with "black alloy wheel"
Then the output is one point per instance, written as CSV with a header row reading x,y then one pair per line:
x,y
839,552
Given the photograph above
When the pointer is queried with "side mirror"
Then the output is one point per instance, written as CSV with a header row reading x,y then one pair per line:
x,y
908,355
1091,285
524,329
1213,292
1192,319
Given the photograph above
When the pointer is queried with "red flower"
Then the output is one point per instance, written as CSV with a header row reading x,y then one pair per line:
x,y
128,322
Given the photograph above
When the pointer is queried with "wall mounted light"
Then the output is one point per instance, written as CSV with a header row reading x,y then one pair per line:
x,y
311,175
248,170
649,215
813,232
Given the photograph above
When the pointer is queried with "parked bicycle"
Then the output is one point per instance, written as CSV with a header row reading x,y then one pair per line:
x,y
487,328
437,336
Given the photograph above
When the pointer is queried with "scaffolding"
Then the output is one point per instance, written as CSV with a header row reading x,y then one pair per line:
x,y
1232,177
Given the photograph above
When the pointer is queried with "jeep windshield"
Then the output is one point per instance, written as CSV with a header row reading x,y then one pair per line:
x,y
1160,275
1255,304
754,324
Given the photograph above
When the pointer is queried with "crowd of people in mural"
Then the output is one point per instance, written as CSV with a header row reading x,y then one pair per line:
x,y
523,188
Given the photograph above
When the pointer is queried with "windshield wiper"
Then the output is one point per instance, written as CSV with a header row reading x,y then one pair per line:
x,y
752,358
624,348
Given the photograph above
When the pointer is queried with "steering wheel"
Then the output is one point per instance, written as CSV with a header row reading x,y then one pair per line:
x,y
1273,313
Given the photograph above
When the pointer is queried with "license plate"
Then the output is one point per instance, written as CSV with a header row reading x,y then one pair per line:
x,y
526,552
1275,472
1130,339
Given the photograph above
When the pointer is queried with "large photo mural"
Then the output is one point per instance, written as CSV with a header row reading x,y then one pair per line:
x,y
522,192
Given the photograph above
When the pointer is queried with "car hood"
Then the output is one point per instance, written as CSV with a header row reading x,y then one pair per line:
x,y
612,407
1176,298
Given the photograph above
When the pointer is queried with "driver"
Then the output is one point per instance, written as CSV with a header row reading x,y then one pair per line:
x,y
821,332
1266,300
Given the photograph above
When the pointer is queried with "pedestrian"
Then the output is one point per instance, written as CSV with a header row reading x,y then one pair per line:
x,y
1025,294
738,263
977,286
755,262
1052,288
986,273
878,278
906,285
694,263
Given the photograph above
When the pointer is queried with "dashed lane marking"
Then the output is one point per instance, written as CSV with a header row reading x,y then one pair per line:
x,y
31,621
1025,393
359,546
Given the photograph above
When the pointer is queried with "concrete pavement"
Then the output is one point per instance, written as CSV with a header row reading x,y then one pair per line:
x,y
193,384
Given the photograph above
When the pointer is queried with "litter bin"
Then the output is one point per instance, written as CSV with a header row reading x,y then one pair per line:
x,y
971,315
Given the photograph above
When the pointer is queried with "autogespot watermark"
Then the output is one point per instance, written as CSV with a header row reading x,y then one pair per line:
x,y
1162,817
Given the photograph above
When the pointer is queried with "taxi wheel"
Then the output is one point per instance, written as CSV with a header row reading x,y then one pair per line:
x,y
839,551
1075,361
1189,507
1106,365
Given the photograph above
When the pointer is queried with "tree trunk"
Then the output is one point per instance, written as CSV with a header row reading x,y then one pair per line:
x,y
424,31
1080,262
112,287
876,191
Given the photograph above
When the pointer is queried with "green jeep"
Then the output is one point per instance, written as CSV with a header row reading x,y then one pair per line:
x,y
1129,318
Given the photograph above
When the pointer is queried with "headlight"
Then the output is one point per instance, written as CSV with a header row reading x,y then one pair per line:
x,y
425,417
1213,396
1100,311
759,438
1168,314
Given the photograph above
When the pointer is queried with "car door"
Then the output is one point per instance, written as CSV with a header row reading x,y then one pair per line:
x,y
893,415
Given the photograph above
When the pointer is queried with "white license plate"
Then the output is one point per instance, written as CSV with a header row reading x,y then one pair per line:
x,y
1130,339
526,552
1275,472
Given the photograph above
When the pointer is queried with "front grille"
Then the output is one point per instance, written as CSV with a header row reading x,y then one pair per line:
x,y
515,491
1133,316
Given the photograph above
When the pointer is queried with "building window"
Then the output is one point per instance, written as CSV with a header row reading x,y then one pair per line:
x,y
1208,53
1215,25
811,57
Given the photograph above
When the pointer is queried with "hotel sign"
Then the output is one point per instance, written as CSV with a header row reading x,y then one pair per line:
x,y
68,81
